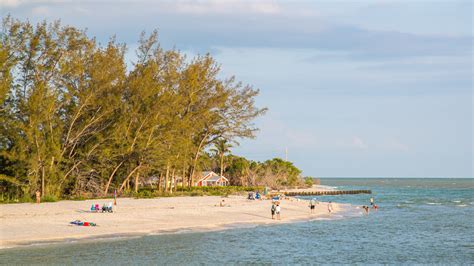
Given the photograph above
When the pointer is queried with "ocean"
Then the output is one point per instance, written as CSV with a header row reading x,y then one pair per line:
x,y
419,221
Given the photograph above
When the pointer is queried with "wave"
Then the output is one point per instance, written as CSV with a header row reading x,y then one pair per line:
x,y
462,205
433,203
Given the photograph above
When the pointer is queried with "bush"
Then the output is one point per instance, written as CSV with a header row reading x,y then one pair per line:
x,y
144,194
49,198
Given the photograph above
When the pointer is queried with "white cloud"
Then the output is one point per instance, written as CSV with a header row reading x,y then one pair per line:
x,y
40,11
226,7
17,3
358,143
396,145
10,3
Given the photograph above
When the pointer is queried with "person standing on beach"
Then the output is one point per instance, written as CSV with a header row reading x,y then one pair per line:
x,y
38,197
329,207
278,210
371,200
311,205
273,211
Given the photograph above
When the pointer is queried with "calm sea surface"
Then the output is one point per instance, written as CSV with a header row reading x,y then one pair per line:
x,y
419,221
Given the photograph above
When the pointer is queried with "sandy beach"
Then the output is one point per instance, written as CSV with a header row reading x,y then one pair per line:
x,y
27,223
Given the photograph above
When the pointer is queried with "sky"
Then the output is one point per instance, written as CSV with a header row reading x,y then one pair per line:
x,y
379,88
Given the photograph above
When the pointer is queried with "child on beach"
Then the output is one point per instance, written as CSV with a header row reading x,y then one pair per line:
x,y
278,209
38,197
330,207
366,208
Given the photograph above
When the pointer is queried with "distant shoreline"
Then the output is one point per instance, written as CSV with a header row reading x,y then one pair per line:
x,y
29,224
388,177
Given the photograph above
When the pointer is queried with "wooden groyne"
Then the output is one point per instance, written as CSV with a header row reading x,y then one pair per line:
x,y
328,192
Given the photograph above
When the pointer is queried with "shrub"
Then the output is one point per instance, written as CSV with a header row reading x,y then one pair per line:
x,y
49,198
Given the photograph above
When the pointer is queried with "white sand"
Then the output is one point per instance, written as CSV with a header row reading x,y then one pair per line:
x,y
25,223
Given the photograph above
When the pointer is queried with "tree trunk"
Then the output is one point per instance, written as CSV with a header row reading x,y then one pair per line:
x,y
137,176
42,182
182,176
110,178
222,164
160,187
167,176
196,157
172,181
125,182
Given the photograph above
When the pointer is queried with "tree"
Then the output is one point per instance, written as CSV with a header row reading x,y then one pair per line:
x,y
221,148
74,121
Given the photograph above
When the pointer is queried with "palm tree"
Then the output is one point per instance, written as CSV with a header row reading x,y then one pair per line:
x,y
221,148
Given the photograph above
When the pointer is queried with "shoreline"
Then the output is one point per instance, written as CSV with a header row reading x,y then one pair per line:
x,y
28,224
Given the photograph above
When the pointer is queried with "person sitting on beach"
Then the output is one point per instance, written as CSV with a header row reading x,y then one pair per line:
x,y
95,208
109,207
330,207
222,203
273,211
251,196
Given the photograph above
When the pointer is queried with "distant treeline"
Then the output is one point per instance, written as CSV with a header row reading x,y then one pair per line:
x,y
74,120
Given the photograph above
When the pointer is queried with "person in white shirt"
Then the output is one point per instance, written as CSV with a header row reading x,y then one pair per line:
x,y
278,210
312,205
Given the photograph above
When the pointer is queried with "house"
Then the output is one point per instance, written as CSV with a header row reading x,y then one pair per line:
x,y
212,179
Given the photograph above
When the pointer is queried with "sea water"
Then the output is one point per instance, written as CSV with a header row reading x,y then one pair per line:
x,y
418,221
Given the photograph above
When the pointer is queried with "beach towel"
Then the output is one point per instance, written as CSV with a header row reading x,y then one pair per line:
x,y
79,223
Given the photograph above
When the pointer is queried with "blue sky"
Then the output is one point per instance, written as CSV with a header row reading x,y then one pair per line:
x,y
378,88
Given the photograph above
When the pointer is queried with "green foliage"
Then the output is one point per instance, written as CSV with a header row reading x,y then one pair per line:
x,y
273,173
49,198
75,123
308,181
196,191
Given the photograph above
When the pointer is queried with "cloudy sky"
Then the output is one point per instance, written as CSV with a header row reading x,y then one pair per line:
x,y
378,88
